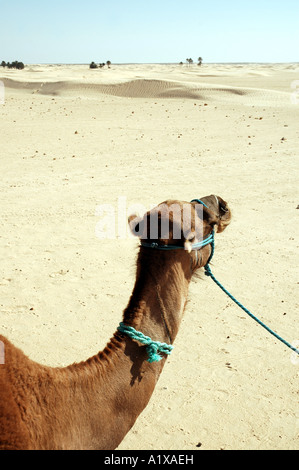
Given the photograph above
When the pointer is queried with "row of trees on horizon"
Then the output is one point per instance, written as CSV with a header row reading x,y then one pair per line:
x,y
13,65
190,61
93,65
20,65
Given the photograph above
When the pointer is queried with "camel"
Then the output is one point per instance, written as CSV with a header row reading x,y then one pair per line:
x,y
93,404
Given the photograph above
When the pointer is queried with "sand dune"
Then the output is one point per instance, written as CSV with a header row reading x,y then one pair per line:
x,y
73,139
185,84
143,88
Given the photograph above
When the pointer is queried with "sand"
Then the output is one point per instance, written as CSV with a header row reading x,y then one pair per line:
x,y
73,139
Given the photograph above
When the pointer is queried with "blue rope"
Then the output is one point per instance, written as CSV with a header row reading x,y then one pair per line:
x,y
209,273
152,347
195,246
199,202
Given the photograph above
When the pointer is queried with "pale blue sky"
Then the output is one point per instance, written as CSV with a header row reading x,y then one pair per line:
x,y
153,31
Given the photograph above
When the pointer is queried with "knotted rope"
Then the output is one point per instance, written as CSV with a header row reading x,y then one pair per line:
x,y
152,347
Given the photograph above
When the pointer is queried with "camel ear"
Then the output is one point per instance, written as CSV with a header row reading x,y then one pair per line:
x,y
136,224
225,215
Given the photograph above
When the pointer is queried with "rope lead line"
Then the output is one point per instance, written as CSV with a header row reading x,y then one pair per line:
x,y
152,347
209,273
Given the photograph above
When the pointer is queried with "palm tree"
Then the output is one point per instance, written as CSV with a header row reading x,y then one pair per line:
x,y
108,63
20,65
199,60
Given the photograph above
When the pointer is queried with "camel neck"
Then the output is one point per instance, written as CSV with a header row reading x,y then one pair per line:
x,y
159,295
122,378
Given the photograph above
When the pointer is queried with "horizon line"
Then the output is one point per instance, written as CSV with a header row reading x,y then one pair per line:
x,y
165,63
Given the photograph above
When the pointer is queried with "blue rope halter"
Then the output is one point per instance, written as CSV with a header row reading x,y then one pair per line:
x,y
154,346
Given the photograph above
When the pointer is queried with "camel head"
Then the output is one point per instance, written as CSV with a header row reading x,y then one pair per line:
x,y
175,225
220,209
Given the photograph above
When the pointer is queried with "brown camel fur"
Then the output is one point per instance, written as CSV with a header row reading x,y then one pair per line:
x,y
93,404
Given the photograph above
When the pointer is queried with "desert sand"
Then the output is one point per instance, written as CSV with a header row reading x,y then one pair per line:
x,y
132,136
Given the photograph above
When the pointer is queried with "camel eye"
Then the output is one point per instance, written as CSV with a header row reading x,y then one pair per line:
x,y
191,238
